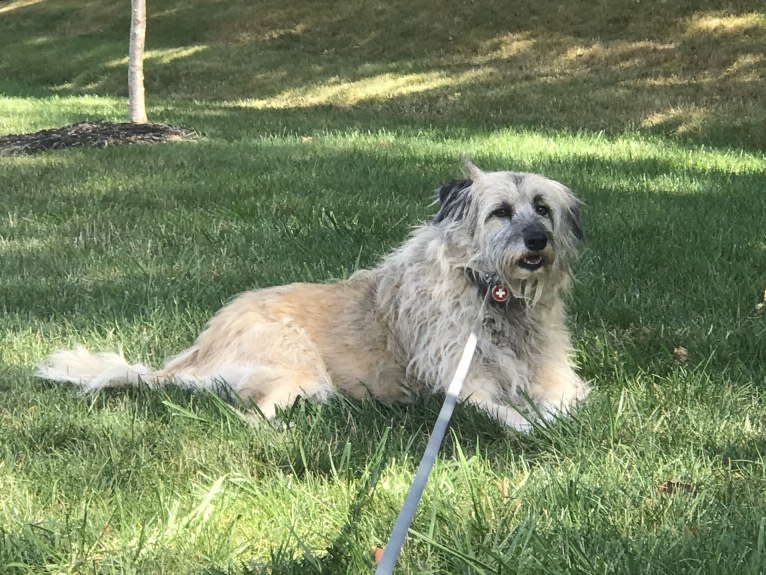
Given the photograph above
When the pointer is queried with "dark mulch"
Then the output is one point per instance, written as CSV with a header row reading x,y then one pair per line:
x,y
94,135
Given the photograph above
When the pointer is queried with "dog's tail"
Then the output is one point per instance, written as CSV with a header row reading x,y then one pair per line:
x,y
93,371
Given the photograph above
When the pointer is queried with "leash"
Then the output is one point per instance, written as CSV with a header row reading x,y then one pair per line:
x,y
407,512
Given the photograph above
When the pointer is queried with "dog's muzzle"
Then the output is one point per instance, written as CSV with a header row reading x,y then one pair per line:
x,y
531,261
535,240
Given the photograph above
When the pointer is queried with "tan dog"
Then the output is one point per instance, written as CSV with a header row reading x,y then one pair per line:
x,y
399,328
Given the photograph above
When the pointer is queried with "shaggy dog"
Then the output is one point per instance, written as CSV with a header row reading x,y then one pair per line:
x,y
399,329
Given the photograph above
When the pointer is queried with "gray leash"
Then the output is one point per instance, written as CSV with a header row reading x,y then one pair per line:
x,y
403,520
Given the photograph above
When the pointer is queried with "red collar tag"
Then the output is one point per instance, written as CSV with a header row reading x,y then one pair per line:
x,y
500,293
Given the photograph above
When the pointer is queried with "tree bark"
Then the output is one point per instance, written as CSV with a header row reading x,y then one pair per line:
x,y
136,105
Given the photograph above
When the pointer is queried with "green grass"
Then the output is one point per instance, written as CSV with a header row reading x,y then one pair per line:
x,y
690,70
325,132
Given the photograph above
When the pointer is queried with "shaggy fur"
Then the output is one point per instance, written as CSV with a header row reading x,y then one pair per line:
x,y
399,329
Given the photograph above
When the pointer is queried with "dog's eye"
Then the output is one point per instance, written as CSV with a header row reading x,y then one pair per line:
x,y
503,212
542,210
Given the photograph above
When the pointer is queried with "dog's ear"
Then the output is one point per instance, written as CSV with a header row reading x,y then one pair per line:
x,y
575,221
454,200
572,215
471,171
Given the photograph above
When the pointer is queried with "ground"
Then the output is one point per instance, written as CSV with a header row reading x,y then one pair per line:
x,y
92,134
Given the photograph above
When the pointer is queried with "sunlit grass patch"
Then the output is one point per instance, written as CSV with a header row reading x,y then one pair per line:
x,y
29,114
694,73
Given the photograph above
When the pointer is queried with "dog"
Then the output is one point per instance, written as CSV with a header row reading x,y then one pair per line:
x,y
399,329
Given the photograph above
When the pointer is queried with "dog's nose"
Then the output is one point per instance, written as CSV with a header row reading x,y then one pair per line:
x,y
535,240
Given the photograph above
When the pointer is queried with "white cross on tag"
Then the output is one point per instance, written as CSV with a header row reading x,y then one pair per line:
x,y
499,294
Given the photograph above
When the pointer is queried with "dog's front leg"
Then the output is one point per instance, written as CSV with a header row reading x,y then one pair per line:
x,y
483,393
556,389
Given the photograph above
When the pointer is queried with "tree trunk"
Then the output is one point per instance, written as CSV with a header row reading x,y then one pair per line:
x,y
136,62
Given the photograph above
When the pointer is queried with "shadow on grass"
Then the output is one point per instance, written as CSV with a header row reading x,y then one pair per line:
x,y
115,239
355,441
376,434
692,72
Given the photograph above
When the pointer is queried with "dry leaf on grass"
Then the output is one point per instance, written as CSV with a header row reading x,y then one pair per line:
x,y
681,354
671,487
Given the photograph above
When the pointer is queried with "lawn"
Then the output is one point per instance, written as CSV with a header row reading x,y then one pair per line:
x,y
323,135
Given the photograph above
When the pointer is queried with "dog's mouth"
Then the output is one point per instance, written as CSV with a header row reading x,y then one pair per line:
x,y
531,262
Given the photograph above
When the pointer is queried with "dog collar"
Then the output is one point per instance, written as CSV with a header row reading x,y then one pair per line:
x,y
499,293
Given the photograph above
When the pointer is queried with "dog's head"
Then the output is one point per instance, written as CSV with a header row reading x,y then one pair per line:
x,y
520,227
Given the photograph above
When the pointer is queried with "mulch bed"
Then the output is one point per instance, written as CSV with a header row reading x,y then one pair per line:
x,y
92,135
